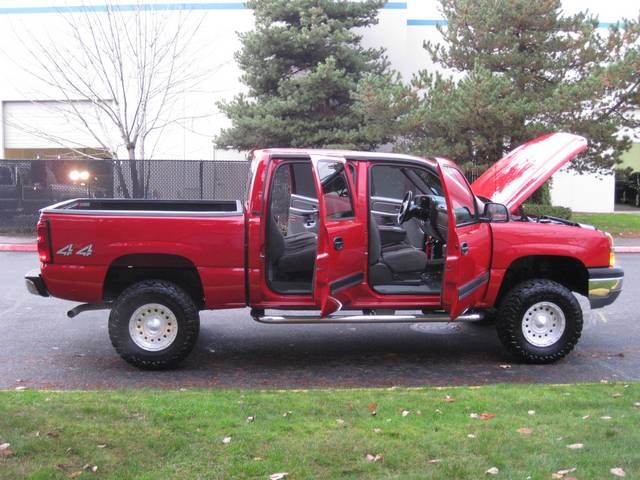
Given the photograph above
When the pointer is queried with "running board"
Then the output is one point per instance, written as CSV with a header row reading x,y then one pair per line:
x,y
306,319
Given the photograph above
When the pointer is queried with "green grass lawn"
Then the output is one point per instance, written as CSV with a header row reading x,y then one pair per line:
x,y
623,224
323,434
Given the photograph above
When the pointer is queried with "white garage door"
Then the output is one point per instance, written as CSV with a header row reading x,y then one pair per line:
x,y
50,125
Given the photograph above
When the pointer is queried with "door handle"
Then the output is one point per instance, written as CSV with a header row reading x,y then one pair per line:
x,y
464,248
338,243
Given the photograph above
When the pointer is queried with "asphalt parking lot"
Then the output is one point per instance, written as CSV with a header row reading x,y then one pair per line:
x,y
41,348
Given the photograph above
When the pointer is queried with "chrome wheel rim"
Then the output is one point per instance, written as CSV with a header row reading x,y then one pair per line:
x,y
153,327
543,324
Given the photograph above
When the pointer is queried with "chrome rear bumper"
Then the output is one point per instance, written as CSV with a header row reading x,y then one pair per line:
x,y
605,285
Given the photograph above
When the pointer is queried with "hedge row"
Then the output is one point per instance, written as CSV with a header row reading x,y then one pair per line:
x,y
549,210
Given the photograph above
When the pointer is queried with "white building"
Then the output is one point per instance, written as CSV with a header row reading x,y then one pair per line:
x,y
26,107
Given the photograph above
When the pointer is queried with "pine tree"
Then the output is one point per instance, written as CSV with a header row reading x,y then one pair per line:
x,y
301,65
518,69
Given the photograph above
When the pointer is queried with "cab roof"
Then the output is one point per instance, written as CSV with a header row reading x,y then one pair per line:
x,y
348,154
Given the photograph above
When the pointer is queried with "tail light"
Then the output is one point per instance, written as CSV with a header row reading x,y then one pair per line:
x,y
44,242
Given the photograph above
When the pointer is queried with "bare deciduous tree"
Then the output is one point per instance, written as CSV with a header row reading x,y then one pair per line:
x,y
131,64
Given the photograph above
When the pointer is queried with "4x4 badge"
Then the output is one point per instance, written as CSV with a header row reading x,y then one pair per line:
x,y
67,250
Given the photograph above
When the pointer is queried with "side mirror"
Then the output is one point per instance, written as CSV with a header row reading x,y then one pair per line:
x,y
495,213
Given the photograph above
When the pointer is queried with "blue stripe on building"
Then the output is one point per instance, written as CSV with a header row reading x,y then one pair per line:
x,y
395,6
425,22
412,22
428,22
124,7
149,7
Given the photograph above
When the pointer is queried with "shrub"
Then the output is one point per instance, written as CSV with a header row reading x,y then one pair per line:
x,y
550,210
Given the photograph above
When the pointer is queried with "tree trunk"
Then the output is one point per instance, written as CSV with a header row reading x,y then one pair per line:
x,y
121,179
136,181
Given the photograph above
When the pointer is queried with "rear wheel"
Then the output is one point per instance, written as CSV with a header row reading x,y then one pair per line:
x,y
154,324
539,321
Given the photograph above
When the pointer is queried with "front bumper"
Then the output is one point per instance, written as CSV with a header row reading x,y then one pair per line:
x,y
35,284
605,285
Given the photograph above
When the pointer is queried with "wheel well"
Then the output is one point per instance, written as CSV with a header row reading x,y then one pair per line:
x,y
130,269
567,271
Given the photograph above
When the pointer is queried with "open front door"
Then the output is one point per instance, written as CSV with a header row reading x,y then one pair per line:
x,y
468,244
341,257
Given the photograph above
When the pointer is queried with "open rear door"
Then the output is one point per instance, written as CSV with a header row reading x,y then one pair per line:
x,y
340,260
469,246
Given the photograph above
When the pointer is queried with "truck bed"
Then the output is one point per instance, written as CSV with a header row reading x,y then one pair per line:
x,y
145,207
92,237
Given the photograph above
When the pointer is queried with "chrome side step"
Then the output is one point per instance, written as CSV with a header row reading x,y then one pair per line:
x,y
402,318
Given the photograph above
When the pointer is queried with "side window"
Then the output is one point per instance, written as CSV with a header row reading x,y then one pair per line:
x,y
463,201
432,182
394,182
303,183
252,178
354,174
389,182
5,176
335,190
280,196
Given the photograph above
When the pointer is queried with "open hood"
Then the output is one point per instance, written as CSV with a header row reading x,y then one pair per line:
x,y
514,178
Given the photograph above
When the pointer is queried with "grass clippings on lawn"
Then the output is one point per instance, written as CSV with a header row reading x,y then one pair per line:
x,y
518,431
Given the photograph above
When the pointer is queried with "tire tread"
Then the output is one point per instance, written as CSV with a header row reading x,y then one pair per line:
x,y
118,324
517,300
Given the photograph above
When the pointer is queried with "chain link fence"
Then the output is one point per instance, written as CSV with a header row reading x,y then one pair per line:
x,y
180,179
29,185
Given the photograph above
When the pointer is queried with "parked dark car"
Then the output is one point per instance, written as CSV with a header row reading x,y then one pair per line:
x,y
26,189
628,188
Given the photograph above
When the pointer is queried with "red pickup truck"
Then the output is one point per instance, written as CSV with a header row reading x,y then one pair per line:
x,y
347,236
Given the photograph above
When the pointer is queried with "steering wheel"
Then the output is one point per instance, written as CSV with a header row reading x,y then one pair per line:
x,y
404,208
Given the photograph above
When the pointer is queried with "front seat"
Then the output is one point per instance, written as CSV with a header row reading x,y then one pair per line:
x,y
293,253
390,260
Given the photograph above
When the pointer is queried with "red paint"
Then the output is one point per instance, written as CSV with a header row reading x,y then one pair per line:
x,y
333,264
514,178
216,245
463,267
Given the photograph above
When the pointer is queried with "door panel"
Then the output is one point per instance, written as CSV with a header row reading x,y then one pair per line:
x,y
468,245
340,262
385,214
303,214
386,207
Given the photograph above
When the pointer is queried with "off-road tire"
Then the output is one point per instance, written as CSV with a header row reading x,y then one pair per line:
x,y
511,312
177,301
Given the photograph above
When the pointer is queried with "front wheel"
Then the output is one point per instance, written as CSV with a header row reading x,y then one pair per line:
x,y
154,324
539,321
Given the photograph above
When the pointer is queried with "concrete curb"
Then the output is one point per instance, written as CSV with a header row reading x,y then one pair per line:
x,y
18,247
626,249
